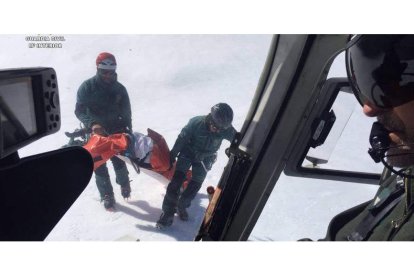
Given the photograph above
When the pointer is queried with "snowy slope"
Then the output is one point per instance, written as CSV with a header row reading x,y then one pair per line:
x,y
170,78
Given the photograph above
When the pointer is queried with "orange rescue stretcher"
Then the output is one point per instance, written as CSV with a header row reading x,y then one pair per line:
x,y
121,145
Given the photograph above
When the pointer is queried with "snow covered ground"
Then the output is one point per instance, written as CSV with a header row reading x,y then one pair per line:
x,y
171,78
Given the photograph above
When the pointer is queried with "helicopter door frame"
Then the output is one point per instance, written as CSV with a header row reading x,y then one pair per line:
x,y
294,81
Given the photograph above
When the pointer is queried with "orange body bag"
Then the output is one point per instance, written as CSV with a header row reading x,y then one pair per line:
x,y
103,148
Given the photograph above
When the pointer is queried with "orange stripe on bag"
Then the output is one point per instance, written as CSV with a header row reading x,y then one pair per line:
x,y
106,147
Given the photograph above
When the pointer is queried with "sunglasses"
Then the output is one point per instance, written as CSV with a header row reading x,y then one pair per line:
x,y
213,126
105,72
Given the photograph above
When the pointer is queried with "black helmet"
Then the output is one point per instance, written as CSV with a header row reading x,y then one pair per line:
x,y
222,115
381,69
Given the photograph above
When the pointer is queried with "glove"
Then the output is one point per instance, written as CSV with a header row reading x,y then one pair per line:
x,y
173,157
98,129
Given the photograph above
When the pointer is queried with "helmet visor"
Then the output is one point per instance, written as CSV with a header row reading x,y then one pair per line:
x,y
381,69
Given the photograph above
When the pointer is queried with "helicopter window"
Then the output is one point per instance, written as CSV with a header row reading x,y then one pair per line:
x,y
311,202
346,142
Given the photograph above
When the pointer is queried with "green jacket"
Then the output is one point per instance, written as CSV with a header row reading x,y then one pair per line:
x,y
396,225
196,142
107,105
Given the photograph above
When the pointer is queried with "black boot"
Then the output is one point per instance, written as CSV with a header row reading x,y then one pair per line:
x,y
182,214
126,191
109,201
165,220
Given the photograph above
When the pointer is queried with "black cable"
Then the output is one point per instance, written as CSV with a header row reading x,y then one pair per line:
x,y
400,172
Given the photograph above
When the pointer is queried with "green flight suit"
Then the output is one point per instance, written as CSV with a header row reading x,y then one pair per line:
x,y
107,105
396,224
196,147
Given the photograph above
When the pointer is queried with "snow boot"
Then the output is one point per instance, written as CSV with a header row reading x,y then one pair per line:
x,y
126,191
165,220
109,201
182,214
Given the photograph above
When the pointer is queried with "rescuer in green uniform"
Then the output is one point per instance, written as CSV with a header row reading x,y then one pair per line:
x,y
103,106
195,147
